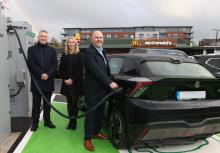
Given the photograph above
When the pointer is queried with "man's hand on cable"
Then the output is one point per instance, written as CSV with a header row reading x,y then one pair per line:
x,y
113,85
68,82
44,76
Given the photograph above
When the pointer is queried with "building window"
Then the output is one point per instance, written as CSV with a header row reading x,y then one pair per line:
x,y
109,36
126,36
141,36
162,35
83,37
148,35
154,35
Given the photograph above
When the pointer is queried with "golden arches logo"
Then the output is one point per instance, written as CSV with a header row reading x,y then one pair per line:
x,y
135,43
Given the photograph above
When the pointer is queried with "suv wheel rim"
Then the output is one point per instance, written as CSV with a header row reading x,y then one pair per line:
x,y
116,127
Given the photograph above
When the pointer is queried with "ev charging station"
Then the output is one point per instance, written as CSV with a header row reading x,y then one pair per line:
x,y
14,76
19,78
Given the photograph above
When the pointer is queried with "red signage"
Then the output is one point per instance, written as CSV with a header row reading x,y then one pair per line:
x,y
154,43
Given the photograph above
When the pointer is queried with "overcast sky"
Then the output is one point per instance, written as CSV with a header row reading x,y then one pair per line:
x,y
53,15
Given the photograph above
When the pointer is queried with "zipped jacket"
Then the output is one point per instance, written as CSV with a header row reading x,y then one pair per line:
x,y
42,59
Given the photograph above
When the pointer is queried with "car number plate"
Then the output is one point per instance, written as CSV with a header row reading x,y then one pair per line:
x,y
189,95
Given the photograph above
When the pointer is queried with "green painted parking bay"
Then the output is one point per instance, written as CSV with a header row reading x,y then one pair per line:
x,y
61,140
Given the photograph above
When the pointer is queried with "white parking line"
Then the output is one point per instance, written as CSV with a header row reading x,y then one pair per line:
x,y
29,133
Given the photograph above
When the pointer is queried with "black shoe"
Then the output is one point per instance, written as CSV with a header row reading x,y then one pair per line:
x,y
73,127
50,125
69,125
34,127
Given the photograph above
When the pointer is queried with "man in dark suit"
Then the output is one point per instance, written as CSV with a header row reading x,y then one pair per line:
x,y
42,62
97,84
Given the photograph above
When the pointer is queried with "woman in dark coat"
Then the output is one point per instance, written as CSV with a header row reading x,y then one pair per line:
x,y
70,70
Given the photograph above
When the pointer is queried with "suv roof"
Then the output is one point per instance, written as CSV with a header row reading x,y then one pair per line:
x,y
141,55
167,52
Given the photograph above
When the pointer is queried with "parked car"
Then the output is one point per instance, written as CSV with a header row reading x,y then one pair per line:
x,y
167,96
57,75
210,62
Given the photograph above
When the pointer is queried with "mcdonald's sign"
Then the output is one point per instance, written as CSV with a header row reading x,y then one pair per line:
x,y
154,43
77,36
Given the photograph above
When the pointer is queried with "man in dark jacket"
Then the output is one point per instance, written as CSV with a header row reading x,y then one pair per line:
x,y
97,84
42,61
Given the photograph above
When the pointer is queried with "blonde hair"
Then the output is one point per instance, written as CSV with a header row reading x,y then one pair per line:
x,y
76,50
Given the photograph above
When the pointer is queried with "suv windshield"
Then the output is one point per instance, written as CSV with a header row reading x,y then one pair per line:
x,y
162,68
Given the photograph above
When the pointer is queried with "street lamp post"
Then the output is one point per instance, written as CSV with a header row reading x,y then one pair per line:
x,y
216,38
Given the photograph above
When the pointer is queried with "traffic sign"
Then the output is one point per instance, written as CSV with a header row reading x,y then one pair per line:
x,y
31,34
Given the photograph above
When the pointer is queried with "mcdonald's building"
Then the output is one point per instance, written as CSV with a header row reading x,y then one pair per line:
x,y
121,39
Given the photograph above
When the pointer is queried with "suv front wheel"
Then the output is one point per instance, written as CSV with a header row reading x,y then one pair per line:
x,y
117,129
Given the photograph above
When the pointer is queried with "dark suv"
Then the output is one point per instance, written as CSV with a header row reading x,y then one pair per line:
x,y
167,96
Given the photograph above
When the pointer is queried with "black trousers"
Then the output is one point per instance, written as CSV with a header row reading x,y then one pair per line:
x,y
72,107
93,121
36,107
